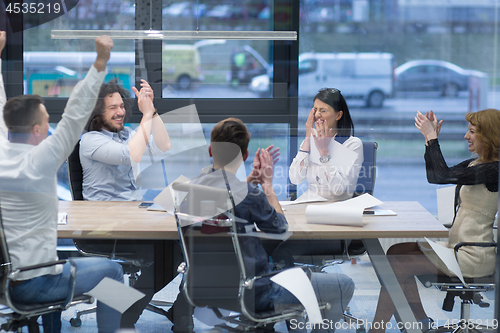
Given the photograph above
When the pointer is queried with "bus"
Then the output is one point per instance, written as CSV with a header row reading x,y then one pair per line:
x,y
55,74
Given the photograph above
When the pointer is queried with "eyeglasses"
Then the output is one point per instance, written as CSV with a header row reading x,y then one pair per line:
x,y
332,90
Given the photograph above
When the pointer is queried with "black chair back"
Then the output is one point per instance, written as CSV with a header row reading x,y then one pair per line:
x,y
75,173
213,274
367,174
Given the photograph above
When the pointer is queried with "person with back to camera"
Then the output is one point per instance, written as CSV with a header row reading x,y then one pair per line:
x,y
29,160
229,148
477,189
315,163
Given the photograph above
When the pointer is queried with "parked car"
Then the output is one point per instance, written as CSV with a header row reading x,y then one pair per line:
x,y
198,10
321,14
225,12
366,76
246,64
431,76
265,14
175,9
261,84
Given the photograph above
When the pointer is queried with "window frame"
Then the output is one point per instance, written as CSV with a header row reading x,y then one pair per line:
x,y
281,108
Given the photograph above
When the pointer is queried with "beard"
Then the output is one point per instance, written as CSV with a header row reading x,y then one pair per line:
x,y
112,127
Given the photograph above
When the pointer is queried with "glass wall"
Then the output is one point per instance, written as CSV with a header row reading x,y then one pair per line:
x,y
389,58
392,58
53,66
216,68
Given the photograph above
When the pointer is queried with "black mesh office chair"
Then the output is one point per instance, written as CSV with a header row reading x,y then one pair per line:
x,y
469,293
215,274
367,174
26,314
130,261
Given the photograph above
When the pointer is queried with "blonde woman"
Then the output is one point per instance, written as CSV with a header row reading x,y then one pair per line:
x,y
477,188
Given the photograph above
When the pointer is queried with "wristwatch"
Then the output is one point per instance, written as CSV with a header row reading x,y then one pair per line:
x,y
325,158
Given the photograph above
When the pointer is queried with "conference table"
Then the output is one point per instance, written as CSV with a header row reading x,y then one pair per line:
x,y
125,220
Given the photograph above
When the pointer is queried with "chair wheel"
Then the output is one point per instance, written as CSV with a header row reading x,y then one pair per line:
x,y
75,322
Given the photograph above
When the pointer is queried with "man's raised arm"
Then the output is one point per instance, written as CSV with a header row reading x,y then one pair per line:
x,y
103,45
3,97
80,104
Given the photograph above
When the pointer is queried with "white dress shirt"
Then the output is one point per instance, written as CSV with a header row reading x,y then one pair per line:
x,y
3,99
28,194
326,179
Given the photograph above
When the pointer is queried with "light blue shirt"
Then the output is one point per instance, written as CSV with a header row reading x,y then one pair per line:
x,y
109,173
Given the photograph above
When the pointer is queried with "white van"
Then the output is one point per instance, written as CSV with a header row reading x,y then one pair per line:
x,y
181,65
367,76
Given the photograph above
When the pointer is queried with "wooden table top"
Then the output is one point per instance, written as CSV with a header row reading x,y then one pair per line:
x,y
125,220
412,221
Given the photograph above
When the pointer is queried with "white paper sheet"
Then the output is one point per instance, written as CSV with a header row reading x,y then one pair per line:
x,y
307,196
447,255
446,204
348,212
208,317
296,282
115,294
365,200
62,218
342,157
166,197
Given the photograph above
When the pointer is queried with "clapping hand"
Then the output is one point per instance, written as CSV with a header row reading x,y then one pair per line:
x,y
323,136
428,125
310,123
145,98
263,162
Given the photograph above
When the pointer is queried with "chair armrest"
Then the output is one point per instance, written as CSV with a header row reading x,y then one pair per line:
x,y
479,244
46,264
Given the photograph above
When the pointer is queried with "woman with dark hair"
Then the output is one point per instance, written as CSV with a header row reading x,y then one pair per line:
x,y
316,161
476,206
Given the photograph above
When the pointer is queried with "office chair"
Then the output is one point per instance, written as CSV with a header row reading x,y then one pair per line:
x,y
215,274
27,314
367,174
469,293
104,248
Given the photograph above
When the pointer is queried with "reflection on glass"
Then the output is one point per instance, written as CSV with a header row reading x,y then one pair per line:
x,y
217,68
55,74
188,157
431,64
53,67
